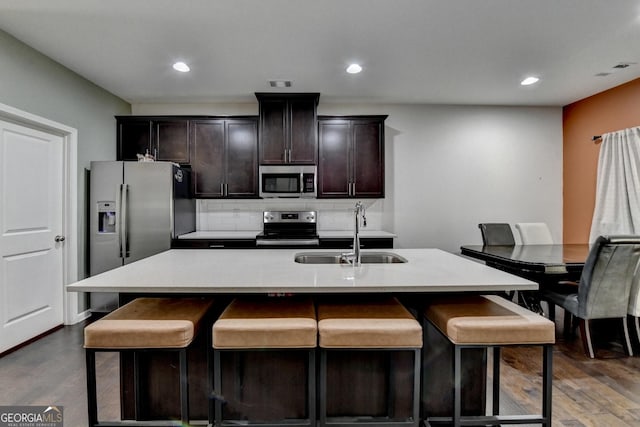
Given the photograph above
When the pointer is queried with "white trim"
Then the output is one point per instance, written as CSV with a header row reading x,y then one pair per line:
x,y
70,196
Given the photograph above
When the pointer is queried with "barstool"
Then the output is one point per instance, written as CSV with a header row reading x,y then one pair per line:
x,y
145,324
379,326
490,322
253,334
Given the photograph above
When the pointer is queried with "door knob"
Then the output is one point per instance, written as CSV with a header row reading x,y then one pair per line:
x,y
59,238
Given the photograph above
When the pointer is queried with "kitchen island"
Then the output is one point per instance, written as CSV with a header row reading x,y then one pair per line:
x,y
227,273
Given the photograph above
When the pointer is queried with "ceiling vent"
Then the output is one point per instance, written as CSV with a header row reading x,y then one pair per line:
x,y
280,83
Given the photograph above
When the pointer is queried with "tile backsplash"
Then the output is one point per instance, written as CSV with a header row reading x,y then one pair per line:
x,y
228,215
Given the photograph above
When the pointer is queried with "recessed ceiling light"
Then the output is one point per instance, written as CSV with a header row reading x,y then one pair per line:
x,y
529,81
354,69
182,67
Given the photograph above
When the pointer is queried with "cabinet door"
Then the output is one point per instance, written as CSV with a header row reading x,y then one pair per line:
x,y
171,140
334,174
134,137
208,157
303,144
273,131
368,158
242,158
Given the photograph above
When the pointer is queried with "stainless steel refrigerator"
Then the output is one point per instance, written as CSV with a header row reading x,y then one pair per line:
x,y
135,209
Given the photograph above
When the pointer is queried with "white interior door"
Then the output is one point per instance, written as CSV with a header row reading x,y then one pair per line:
x,y
31,220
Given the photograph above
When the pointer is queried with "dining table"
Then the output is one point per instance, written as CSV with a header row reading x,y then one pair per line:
x,y
544,264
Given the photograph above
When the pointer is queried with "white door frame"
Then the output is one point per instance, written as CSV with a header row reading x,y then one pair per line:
x,y
70,203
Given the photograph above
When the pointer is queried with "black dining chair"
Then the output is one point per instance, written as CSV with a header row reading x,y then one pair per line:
x,y
500,234
603,290
496,234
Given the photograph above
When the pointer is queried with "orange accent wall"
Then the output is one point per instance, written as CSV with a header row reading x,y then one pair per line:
x,y
608,111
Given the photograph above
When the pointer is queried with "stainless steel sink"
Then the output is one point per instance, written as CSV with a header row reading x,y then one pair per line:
x,y
337,258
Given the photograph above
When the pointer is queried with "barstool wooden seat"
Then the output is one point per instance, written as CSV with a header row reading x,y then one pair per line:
x,y
490,322
382,325
145,324
260,333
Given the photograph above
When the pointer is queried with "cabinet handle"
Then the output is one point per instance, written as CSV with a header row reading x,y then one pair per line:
x,y
353,193
226,189
221,189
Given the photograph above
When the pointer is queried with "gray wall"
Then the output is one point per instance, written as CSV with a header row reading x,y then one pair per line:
x,y
34,83
450,167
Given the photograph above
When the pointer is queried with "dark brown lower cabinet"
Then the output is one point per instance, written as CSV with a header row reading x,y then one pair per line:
x,y
359,382
225,157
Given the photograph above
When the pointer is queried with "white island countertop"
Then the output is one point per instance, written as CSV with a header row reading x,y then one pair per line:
x,y
275,271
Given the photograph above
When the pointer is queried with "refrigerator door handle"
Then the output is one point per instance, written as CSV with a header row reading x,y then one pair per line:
x,y
125,219
119,220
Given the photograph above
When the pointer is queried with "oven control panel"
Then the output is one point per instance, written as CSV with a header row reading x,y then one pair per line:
x,y
289,217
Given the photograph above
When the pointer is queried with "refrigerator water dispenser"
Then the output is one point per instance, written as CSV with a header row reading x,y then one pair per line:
x,y
106,217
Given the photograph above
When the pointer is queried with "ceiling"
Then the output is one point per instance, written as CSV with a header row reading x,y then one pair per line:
x,y
412,51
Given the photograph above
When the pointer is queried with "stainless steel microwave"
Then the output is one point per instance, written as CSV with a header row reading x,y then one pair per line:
x,y
288,181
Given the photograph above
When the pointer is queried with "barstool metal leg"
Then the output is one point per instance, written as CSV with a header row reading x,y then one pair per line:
x,y
217,386
417,363
496,380
547,378
137,390
390,386
210,385
311,379
323,387
184,387
92,399
457,386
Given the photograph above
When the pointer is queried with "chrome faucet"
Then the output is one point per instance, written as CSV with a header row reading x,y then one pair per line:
x,y
354,257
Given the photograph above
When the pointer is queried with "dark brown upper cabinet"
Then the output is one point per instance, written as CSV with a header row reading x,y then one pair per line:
x,y
164,138
288,128
351,156
225,157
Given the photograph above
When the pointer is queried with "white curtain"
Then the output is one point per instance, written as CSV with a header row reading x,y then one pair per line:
x,y
617,209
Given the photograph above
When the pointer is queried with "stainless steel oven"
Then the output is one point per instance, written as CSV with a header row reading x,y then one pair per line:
x,y
292,181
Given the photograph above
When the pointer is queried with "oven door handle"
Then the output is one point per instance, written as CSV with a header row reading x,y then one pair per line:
x,y
287,242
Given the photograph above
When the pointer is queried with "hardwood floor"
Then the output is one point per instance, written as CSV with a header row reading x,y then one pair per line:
x,y
51,371
600,392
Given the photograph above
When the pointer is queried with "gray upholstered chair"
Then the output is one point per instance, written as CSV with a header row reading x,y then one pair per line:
x,y
534,233
634,303
604,287
498,234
